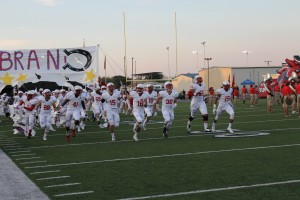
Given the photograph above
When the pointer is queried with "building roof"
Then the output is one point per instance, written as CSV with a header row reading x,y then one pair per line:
x,y
191,75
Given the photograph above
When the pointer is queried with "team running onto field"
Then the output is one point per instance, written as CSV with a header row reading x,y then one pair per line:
x,y
69,109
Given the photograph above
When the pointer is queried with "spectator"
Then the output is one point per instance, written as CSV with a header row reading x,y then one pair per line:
x,y
183,94
190,94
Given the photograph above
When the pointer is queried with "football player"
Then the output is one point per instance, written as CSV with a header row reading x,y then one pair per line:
x,y
169,99
224,98
112,97
198,103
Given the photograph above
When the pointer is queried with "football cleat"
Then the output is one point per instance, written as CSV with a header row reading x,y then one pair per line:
x,y
135,138
230,130
144,125
29,135
213,128
45,136
207,130
188,126
73,133
68,138
165,132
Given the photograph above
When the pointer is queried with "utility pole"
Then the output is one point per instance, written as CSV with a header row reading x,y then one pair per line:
x,y
268,62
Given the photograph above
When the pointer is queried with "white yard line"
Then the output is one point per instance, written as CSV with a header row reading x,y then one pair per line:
x,y
8,142
13,152
24,163
14,148
45,172
173,127
73,193
62,185
198,125
50,178
11,145
25,154
30,158
163,156
146,139
214,190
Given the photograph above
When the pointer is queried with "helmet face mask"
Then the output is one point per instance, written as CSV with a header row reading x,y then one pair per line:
x,y
150,88
29,96
198,79
110,88
47,95
78,92
169,86
139,90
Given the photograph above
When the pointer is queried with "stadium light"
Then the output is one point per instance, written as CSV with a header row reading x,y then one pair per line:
x,y
247,52
204,43
208,59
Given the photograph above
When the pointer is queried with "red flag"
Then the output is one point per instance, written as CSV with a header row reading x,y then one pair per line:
x,y
105,62
233,81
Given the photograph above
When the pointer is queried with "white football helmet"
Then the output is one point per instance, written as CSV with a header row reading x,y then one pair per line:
x,y
149,85
167,83
225,83
77,87
196,78
46,91
109,84
140,86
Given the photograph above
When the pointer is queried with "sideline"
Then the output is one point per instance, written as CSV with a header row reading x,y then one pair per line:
x,y
14,184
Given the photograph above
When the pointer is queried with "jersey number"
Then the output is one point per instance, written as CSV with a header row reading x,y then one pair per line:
x,y
169,101
140,103
151,100
75,104
112,102
227,98
46,107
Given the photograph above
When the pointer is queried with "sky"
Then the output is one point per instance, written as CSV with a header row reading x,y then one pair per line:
x,y
268,28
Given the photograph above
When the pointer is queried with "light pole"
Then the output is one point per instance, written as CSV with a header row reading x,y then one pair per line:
x,y
168,48
197,52
268,62
132,73
204,43
208,59
247,54
135,71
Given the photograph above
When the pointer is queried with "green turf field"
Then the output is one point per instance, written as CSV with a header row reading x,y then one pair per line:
x,y
180,167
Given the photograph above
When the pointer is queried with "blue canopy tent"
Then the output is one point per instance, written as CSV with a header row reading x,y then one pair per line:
x,y
247,82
